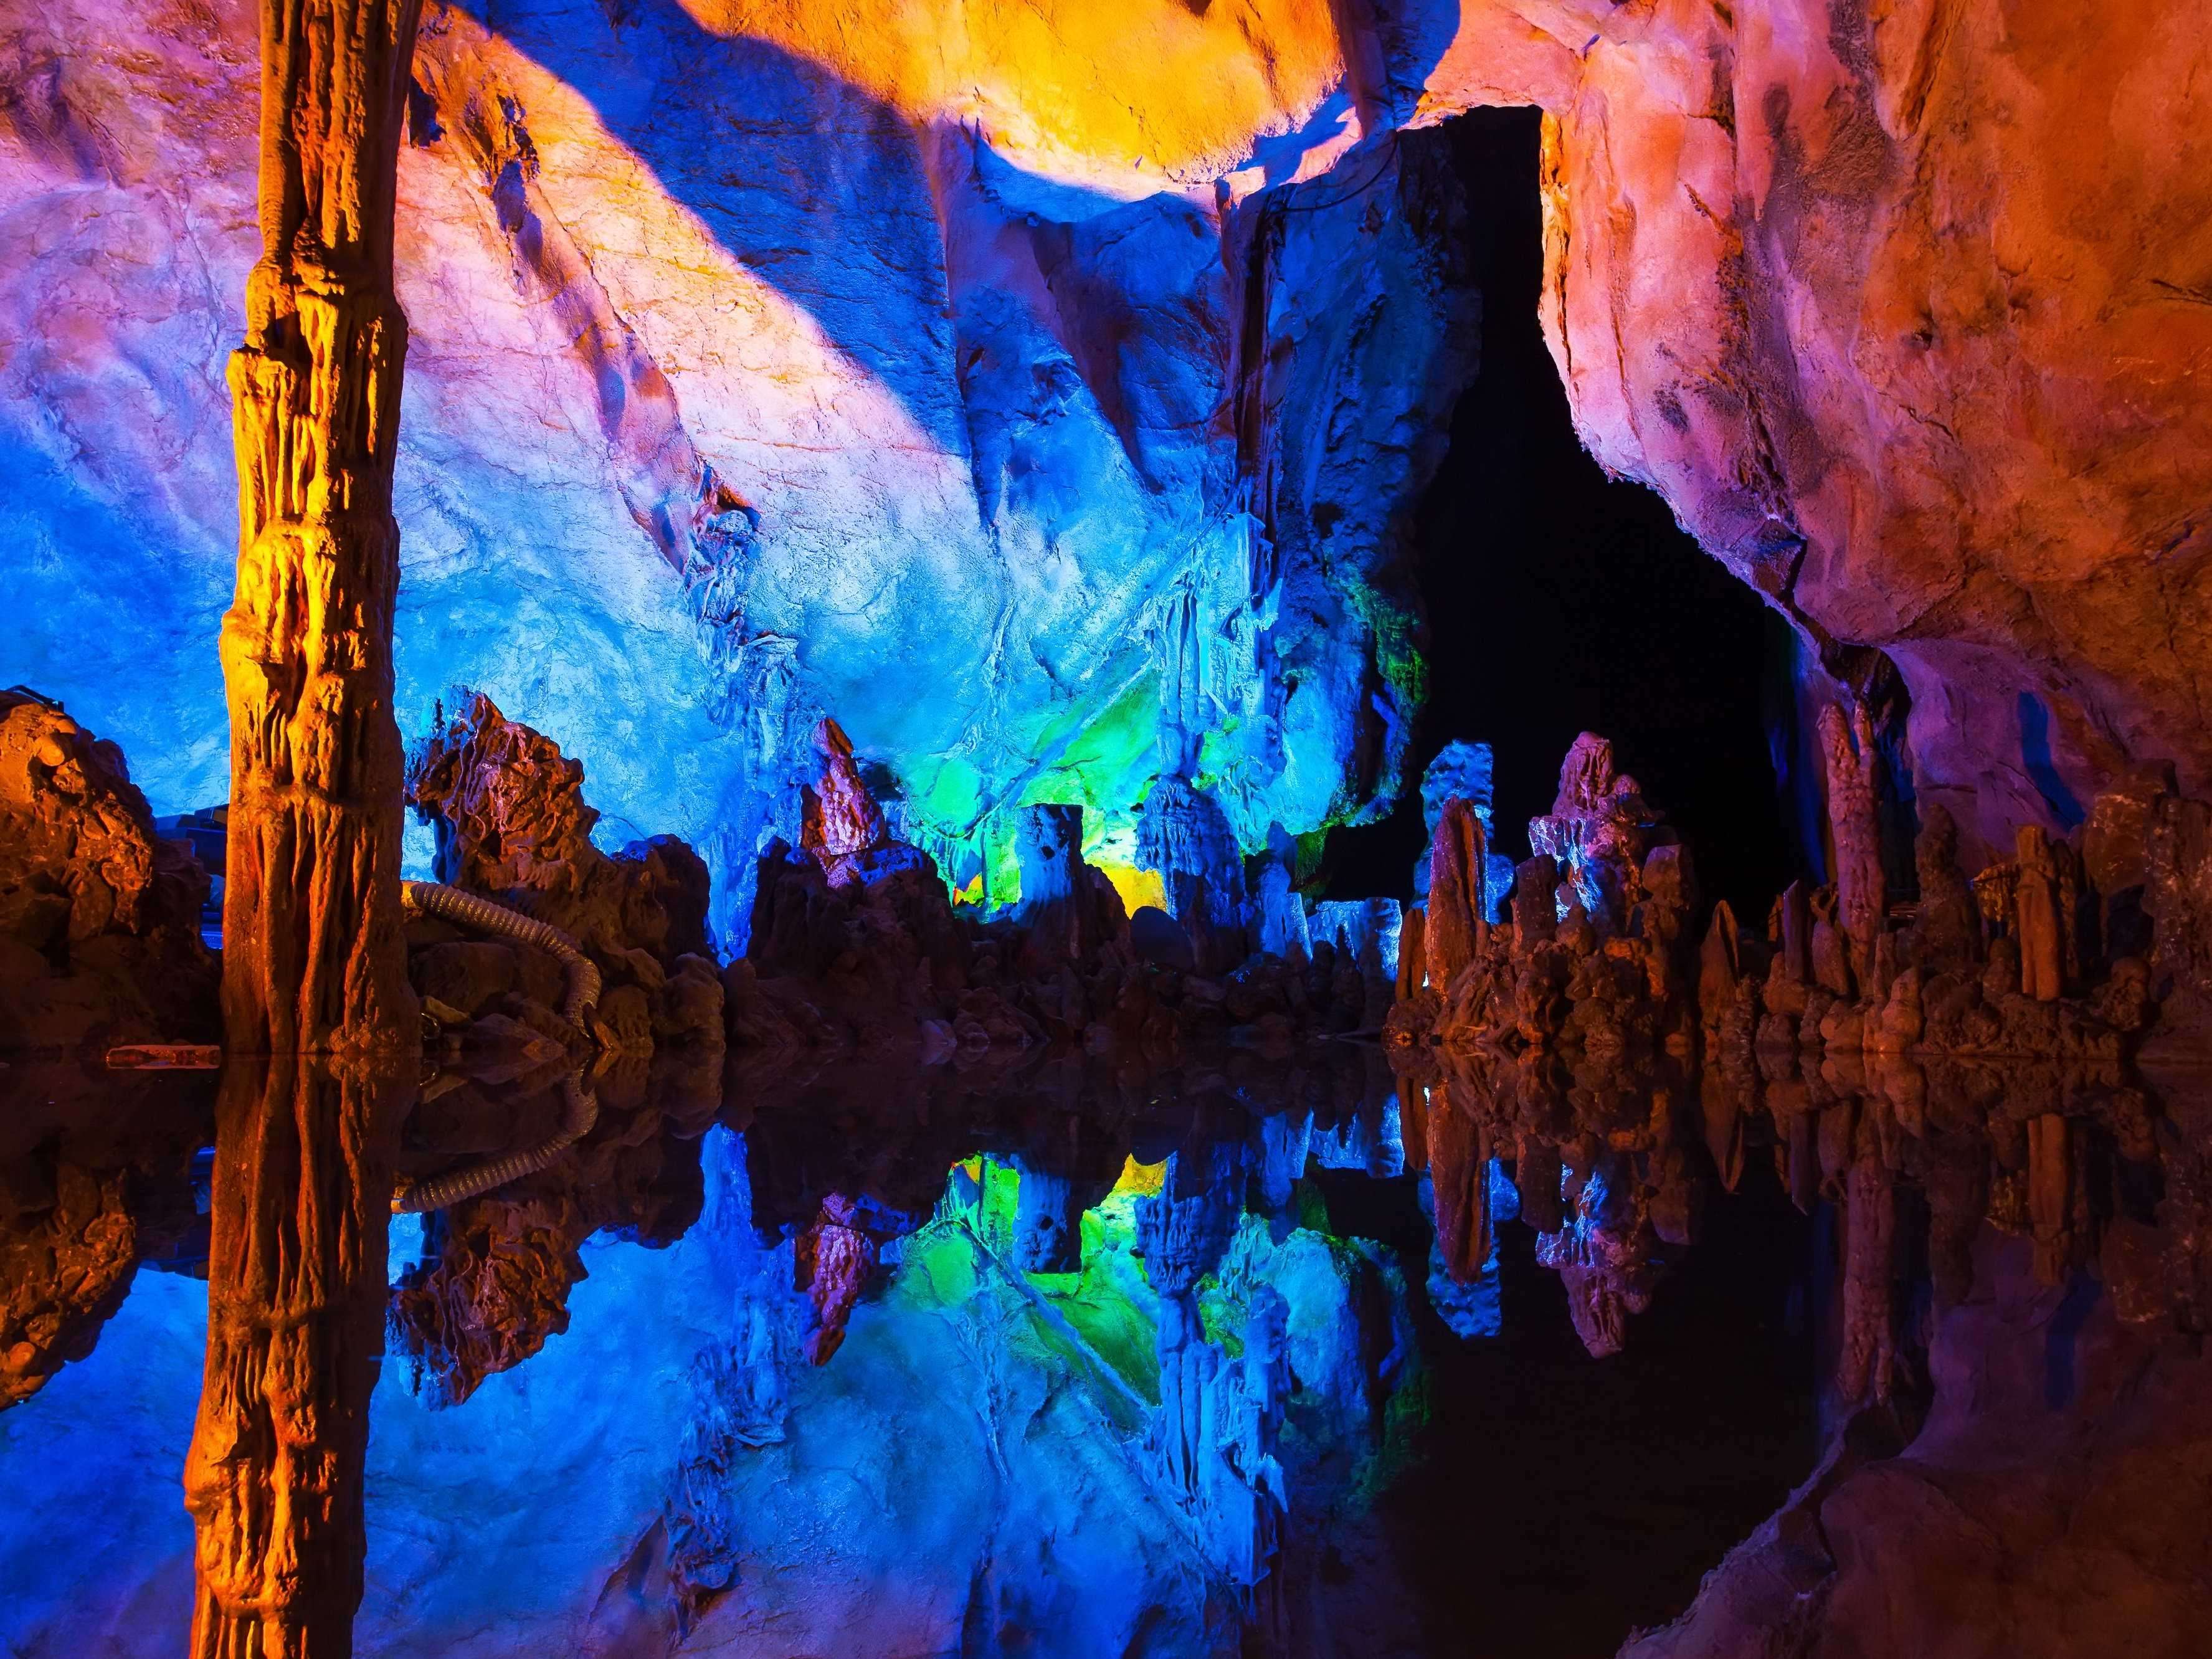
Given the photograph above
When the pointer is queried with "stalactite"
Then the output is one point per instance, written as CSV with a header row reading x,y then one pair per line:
x,y
313,960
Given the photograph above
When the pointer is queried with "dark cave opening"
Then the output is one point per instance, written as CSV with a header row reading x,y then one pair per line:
x,y
1558,601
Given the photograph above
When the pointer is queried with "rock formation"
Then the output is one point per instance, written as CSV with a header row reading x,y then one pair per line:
x,y
99,917
313,960
1795,279
511,824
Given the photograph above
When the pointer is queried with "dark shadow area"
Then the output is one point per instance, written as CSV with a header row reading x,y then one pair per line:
x,y
1558,601
1555,1502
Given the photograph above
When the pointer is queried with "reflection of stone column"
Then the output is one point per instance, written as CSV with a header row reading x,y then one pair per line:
x,y
1459,1166
296,1262
1414,1123
2051,1195
1870,1230
312,956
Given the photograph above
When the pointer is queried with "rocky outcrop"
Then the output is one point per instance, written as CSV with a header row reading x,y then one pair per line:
x,y
511,824
1901,312
99,917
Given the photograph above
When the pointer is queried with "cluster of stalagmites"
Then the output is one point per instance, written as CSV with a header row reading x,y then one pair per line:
x,y
857,951
857,947
1597,947
1971,1041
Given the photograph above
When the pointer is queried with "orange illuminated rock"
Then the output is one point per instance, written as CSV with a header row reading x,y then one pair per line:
x,y
1904,310
313,959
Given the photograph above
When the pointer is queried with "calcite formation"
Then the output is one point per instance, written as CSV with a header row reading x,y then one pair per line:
x,y
1601,969
100,916
297,1245
313,960
511,822
862,950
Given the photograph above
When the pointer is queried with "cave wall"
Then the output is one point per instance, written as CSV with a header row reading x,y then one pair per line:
x,y
1046,394
1904,310
763,366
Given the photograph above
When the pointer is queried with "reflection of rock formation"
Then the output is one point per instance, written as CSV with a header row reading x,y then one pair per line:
x,y
95,1178
493,1281
1603,1255
100,938
1214,1434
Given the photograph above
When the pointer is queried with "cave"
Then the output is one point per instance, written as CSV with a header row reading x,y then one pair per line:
x,y
1189,829
1570,602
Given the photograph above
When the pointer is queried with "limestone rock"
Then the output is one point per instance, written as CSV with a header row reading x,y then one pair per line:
x,y
99,918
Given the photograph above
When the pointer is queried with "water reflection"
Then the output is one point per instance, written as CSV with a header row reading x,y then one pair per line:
x,y
1055,1355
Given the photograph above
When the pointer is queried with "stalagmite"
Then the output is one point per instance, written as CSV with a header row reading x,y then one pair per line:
x,y
1458,863
1049,849
1947,934
1413,951
312,959
2036,916
1861,897
838,816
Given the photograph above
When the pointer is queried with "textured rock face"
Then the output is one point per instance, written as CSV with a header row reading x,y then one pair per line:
x,y
761,364
99,918
1904,309
744,337
739,333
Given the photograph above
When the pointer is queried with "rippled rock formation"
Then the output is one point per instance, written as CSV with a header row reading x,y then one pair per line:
x,y
511,824
100,916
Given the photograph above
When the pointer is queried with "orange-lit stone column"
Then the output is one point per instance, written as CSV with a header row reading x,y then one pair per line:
x,y
313,960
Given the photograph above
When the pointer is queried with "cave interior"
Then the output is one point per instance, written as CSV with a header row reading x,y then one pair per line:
x,y
1183,830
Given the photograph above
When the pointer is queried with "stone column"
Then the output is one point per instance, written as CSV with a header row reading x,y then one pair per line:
x,y
1855,828
313,959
